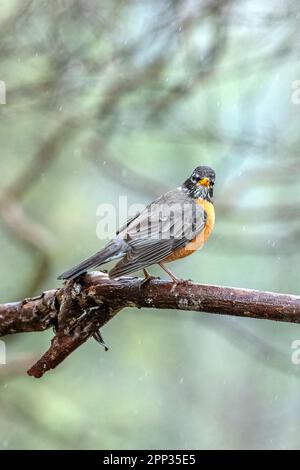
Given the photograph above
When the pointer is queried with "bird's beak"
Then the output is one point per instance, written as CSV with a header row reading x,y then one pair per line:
x,y
204,182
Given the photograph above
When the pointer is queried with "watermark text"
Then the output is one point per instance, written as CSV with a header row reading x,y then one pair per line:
x,y
2,92
2,353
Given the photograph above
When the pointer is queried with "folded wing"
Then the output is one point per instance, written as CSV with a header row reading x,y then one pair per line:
x,y
168,224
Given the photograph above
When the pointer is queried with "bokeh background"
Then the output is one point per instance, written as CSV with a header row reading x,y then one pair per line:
x,y
111,98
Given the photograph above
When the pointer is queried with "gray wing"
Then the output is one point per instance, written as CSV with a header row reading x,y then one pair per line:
x,y
127,223
167,224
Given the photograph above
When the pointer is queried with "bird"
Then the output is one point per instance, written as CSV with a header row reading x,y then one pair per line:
x,y
175,225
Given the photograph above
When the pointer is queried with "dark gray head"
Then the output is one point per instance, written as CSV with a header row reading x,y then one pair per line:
x,y
201,183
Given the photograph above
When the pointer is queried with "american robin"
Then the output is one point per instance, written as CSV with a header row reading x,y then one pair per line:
x,y
169,228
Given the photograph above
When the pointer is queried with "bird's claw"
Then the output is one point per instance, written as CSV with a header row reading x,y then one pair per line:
x,y
181,281
148,279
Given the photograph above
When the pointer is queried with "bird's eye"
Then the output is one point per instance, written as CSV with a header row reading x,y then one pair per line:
x,y
194,179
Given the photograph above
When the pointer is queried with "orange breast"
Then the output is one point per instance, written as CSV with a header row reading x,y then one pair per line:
x,y
201,238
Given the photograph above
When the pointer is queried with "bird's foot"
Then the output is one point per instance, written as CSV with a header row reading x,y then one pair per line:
x,y
177,280
185,281
148,279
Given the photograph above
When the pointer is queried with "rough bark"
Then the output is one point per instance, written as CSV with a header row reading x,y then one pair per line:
x,y
78,309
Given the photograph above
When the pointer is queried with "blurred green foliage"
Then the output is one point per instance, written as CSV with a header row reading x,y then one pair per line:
x,y
111,98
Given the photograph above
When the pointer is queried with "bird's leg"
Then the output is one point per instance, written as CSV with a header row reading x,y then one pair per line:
x,y
175,279
148,277
98,337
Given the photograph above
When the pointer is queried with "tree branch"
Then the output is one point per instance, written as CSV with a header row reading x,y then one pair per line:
x,y
81,307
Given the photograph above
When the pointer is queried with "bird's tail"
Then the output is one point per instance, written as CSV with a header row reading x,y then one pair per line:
x,y
111,251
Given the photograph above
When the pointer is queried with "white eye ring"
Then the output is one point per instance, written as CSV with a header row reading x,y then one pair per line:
x,y
194,179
